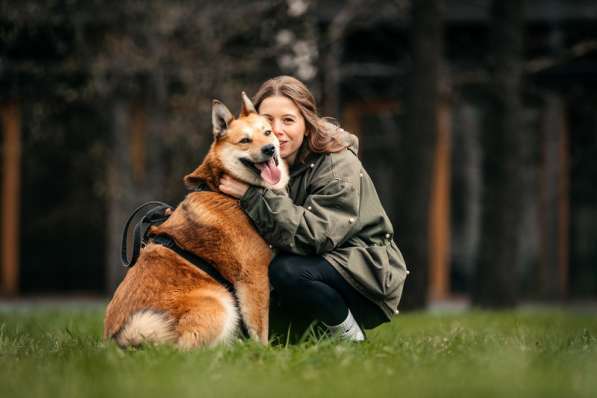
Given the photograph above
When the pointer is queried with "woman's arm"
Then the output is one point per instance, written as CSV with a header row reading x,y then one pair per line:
x,y
325,220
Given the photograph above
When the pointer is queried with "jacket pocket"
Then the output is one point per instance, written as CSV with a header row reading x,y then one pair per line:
x,y
369,267
388,270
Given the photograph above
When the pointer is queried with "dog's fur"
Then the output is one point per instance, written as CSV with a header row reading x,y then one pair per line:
x,y
164,298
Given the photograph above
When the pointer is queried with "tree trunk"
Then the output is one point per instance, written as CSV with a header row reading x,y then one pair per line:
x,y
332,58
439,223
554,224
466,192
496,278
11,192
121,191
420,139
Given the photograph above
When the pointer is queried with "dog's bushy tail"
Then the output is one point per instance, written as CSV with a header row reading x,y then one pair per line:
x,y
146,327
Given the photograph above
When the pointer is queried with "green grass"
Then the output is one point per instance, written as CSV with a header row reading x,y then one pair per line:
x,y
59,353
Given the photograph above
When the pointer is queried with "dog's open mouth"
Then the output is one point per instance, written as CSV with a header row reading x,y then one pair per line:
x,y
267,170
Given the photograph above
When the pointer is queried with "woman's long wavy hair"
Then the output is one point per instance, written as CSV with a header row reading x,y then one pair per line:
x,y
322,134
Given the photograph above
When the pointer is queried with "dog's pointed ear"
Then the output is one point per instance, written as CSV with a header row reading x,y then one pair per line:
x,y
247,106
191,181
220,118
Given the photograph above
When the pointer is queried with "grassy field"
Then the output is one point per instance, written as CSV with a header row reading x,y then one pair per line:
x,y
59,353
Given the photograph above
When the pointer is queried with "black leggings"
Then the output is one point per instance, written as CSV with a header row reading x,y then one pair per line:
x,y
308,289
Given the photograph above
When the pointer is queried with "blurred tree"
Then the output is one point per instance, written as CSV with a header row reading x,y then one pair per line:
x,y
496,278
334,42
296,47
160,66
145,73
44,65
10,123
420,139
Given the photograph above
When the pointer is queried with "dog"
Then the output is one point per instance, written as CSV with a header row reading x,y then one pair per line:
x,y
166,299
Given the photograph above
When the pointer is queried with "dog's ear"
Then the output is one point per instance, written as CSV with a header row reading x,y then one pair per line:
x,y
247,106
191,181
220,118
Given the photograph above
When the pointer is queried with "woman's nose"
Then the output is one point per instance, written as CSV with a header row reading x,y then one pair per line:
x,y
277,128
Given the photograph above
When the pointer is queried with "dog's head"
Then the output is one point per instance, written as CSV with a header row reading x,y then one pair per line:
x,y
245,148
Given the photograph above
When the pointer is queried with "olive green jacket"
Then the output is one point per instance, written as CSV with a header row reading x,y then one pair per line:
x,y
331,208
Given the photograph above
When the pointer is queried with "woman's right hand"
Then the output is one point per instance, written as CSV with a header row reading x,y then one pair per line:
x,y
232,187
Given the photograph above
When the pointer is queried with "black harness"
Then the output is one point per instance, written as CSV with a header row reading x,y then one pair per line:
x,y
155,214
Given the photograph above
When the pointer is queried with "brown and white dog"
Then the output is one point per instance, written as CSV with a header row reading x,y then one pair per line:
x,y
166,299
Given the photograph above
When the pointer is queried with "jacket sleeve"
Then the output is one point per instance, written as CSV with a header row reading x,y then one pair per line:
x,y
322,223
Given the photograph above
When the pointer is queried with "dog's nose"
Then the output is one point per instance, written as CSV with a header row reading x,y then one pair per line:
x,y
268,149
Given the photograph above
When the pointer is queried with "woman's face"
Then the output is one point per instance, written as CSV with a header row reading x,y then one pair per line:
x,y
287,124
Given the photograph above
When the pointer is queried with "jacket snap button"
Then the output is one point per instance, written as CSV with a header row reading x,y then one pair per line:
x,y
387,236
312,165
407,272
351,220
309,207
361,174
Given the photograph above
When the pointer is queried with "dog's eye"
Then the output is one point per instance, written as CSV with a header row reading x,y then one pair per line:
x,y
267,132
245,141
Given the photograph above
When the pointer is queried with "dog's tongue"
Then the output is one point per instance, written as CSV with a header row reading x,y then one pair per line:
x,y
269,171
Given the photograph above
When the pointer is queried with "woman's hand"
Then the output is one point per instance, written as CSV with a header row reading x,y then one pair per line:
x,y
233,187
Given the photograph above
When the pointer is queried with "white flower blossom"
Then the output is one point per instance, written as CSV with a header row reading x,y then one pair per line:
x,y
296,8
284,37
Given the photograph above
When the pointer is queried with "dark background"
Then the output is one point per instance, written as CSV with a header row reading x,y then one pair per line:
x,y
476,121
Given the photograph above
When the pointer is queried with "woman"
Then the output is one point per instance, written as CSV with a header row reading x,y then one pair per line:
x,y
336,261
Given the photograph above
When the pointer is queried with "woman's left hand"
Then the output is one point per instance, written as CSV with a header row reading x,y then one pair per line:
x,y
233,187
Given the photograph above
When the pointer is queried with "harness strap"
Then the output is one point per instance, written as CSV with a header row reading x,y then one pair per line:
x,y
197,261
156,215
206,267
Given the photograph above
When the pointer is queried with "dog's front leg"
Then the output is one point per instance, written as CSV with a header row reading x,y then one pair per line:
x,y
253,299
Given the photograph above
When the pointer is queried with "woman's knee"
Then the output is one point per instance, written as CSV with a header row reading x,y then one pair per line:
x,y
285,271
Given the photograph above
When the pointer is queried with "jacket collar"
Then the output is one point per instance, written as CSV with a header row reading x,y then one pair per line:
x,y
303,159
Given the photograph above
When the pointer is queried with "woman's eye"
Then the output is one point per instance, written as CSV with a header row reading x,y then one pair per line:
x,y
267,132
245,141
288,121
